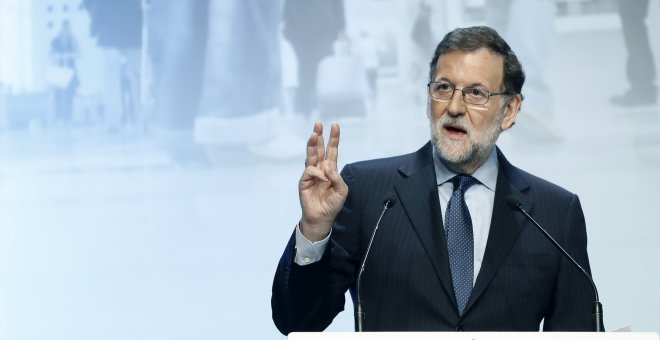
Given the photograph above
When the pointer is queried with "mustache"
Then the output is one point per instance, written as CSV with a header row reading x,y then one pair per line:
x,y
456,122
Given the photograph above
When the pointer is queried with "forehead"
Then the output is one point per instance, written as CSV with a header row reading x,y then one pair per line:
x,y
481,66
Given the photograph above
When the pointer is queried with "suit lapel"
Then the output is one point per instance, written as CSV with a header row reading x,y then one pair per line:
x,y
505,226
418,193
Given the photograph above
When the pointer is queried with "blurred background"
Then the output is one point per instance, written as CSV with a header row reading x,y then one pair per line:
x,y
150,149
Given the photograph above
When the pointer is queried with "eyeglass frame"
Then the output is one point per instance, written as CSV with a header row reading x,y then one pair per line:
x,y
463,93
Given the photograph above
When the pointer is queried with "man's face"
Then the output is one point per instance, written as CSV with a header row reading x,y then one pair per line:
x,y
464,134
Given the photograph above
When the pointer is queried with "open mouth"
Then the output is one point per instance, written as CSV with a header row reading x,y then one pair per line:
x,y
455,130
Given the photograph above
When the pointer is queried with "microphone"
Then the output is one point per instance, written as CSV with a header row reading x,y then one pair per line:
x,y
514,202
388,201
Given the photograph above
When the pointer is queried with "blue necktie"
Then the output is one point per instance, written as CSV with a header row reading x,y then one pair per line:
x,y
460,240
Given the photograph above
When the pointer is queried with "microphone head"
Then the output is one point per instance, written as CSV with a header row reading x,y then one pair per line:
x,y
389,199
514,202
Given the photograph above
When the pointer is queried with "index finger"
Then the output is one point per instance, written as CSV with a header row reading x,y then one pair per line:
x,y
312,145
320,146
333,145
310,157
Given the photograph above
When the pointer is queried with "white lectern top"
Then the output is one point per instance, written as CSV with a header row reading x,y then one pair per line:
x,y
475,336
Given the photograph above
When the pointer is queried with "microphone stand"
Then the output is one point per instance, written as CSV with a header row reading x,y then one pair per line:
x,y
390,199
598,307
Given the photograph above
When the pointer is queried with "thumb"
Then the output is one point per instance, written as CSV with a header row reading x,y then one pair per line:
x,y
337,181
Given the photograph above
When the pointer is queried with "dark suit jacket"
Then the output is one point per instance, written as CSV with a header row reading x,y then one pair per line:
x,y
407,284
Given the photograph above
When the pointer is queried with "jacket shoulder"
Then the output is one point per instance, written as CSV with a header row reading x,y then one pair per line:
x,y
385,164
541,186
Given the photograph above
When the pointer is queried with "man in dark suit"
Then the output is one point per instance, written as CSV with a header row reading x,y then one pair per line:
x,y
450,254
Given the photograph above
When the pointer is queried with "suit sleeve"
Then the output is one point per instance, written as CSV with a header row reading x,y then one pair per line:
x,y
571,308
307,298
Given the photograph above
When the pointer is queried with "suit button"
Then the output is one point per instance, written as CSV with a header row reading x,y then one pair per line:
x,y
459,328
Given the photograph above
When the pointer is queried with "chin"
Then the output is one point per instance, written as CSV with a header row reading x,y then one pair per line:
x,y
455,152
465,153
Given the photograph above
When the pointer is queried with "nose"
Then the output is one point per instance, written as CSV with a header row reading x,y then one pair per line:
x,y
456,105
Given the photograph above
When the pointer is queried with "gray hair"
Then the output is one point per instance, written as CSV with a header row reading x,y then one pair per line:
x,y
470,39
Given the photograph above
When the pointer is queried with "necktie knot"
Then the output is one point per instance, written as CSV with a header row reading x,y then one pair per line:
x,y
463,182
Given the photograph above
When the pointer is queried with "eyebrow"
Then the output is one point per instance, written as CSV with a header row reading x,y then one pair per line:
x,y
476,84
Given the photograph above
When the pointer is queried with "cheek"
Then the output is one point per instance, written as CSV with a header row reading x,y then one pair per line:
x,y
435,110
478,121
481,119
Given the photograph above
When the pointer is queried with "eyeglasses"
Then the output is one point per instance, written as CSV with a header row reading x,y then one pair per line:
x,y
444,91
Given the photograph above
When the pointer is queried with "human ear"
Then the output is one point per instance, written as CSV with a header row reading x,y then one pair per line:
x,y
511,109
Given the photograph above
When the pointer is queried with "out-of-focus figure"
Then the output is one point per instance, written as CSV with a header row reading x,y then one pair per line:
x,y
529,27
366,49
422,34
117,27
289,64
424,43
640,67
341,83
127,72
241,88
176,47
63,55
311,26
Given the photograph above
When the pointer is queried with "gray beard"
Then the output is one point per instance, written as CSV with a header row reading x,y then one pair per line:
x,y
464,156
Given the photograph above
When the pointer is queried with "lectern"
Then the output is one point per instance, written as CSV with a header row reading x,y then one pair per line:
x,y
475,336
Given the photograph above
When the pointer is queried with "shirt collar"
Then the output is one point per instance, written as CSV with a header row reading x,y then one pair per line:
x,y
486,174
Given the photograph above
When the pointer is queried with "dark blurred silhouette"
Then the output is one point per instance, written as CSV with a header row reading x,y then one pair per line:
x,y
242,65
422,34
341,86
127,72
115,24
241,87
640,67
117,27
529,28
424,43
63,54
177,33
366,49
311,26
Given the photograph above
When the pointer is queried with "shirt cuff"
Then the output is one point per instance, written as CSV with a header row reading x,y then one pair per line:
x,y
308,252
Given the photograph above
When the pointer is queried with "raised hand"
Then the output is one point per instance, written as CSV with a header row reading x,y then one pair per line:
x,y
321,189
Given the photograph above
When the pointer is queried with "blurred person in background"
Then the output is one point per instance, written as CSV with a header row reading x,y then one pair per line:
x,y
63,54
312,27
529,27
117,27
640,66
422,33
366,49
341,84
241,86
127,74
289,77
422,37
177,34
281,142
